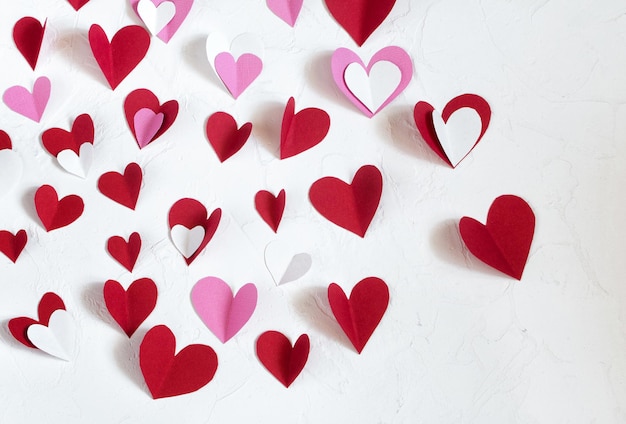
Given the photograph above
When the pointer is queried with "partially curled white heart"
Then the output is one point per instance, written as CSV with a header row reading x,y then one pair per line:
x,y
58,338
285,266
186,240
77,164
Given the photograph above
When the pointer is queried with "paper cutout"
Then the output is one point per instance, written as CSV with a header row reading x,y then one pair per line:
x,y
350,206
28,36
287,10
12,245
31,105
270,208
77,4
118,58
5,141
187,240
136,103
168,374
189,214
55,213
303,130
453,145
77,164
283,361
130,308
371,88
18,327
283,265
360,18
11,165
122,188
155,17
223,313
57,338
167,31
72,149
126,253
504,242
359,315
224,136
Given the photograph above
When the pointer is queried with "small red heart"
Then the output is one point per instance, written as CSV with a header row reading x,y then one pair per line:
x,y
28,35
224,136
77,4
504,242
350,206
55,213
119,57
145,99
303,130
125,253
130,308
5,141
168,374
123,189
359,316
270,208
56,140
18,327
12,245
360,18
281,360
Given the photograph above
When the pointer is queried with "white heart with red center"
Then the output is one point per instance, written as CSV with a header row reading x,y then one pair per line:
x,y
283,266
375,88
458,136
186,240
77,164
11,169
58,338
156,17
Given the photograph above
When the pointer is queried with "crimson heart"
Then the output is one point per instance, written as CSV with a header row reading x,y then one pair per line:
x,y
504,242
125,253
28,35
224,136
119,57
145,99
5,141
77,4
350,206
55,213
270,208
281,359
18,327
360,18
168,374
190,213
122,188
130,308
55,140
303,130
12,245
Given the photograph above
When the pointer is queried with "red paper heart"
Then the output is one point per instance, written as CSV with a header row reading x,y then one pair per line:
x,y
504,242
143,98
12,245
130,308
55,213
125,253
224,136
118,58
359,316
281,360
77,4
167,374
270,208
123,189
18,327
5,141
190,213
360,18
350,206
303,130
56,140
28,35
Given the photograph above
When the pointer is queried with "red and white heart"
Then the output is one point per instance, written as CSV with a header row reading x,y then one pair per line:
x,y
12,245
130,308
303,130
190,229
224,136
146,117
72,149
287,10
28,35
285,265
11,165
55,213
49,303
58,338
162,17
31,105
283,361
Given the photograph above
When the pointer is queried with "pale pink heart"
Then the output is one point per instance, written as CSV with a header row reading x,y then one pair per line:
x,y
147,124
182,10
30,105
287,10
237,76
222,313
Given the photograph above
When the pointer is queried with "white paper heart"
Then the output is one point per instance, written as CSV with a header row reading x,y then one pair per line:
x,y
77,164
58,338
186,240
156,17
283,266
458,136
374,89
11,169
217,43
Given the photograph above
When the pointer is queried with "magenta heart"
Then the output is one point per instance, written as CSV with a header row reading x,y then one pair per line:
x,y
30,105
287,10
147,124
237,76
182,10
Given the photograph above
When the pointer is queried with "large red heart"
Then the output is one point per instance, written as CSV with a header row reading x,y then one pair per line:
x,y
350,206
55,213
125,253
77,4
270,208
12,245
18,327
28,35
224,136
504,242
280,358
303,130
130,308
123,189
56,140
143,98
168,374
359,315
360,18
119,57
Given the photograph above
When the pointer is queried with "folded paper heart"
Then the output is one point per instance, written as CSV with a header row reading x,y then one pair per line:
x,y
270,207
303,130
126,253
72,149
57,338
28,35
11,165
359,18
283,361
224,136
146,117
77,4
122,188
31,105
18,327
162,17
285,266
12,245
130,308
287,10
55,213
190,229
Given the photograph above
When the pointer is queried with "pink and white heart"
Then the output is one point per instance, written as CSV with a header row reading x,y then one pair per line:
x,y
162,17
287,10
31,105
56,339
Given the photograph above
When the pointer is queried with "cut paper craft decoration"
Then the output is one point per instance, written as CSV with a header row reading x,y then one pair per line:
x,y
270,207
72,149
163,18
224,136
12,245
11,165
118,58
504,242
454,134
223,313
146,117
190,229
125,253
303,130
57,338
122,188
360,314
360,18
283,265
283,361
130,308
169,374
350,206
55,213
28,35
77,4
18,327
31,105
370,88
287,10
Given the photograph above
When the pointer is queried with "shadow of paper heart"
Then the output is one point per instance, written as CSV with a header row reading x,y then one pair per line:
x,y
127,358
401,132
75,49
28,203
267,126
93,300
196,57
320,78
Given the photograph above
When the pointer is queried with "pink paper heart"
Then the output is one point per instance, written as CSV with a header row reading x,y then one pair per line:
x,y
147,124
30,105
222,313
182,10
287,10
237,76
